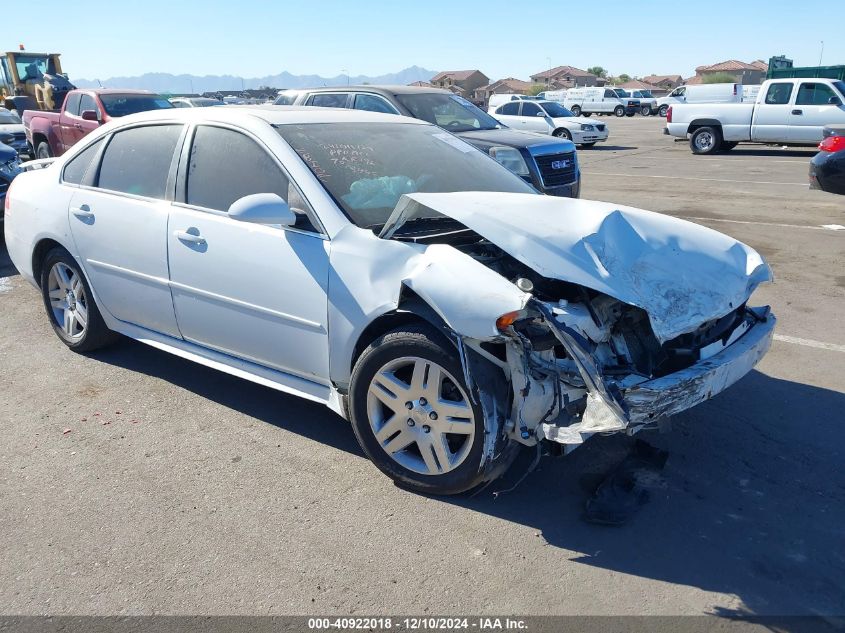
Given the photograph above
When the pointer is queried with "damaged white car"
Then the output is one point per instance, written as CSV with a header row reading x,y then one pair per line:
x,y
385,268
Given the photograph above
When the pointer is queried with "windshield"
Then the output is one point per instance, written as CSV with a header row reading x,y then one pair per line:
x,y
286,98
7,116
367,167
204,102
621,93
554,109
646,93
117,105
840,86
452,112
33,67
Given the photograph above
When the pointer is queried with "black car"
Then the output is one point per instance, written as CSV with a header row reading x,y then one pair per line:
x,y
827,168
549,164
10,166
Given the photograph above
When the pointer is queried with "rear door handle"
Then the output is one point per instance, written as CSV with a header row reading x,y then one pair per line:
x,y
192,238
797,112
83,212
77,126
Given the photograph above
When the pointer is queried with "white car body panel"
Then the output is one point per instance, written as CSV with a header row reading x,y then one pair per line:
x,y
548,125
789,122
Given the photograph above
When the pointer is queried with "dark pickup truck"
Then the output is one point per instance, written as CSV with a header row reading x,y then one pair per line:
x,y
51,133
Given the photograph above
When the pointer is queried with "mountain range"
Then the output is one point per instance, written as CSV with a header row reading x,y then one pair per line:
x,y
189,84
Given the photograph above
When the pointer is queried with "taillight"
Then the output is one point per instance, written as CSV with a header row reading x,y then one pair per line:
x,y
830,144
669,115
7,206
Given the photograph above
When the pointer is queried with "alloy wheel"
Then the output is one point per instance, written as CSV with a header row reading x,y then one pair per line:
x,y
420,416
68,300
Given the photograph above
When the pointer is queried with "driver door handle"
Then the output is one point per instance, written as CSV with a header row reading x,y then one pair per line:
x,y
192,238
797,112
82,212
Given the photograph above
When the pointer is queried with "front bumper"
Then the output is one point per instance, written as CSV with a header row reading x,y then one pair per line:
x,y
579,138
682,390
571,190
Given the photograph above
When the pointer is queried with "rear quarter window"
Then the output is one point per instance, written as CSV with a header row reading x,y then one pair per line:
x,y
77,167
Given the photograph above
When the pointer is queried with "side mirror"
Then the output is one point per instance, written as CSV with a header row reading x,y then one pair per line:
x,y
540,114
835,101
90,115
262,208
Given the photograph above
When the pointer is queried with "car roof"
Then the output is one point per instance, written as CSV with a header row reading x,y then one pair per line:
x,y
116,91
272,114
381,89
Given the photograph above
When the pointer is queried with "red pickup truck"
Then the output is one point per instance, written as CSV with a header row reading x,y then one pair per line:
x,y
51,133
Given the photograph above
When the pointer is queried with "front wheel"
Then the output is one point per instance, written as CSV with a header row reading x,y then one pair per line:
x,y
645,111
412,414
619,111
662,110
576,110
563,133
705,140
43,150
70,305
587,145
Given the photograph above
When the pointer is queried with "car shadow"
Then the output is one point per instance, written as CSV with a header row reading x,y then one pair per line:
x,y
750,502
294,414
794,152
599,147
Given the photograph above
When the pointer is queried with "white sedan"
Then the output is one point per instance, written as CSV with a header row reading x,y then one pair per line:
x,y
385,268
550,117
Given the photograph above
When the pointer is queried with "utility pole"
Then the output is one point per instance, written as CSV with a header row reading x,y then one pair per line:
x,y
821,53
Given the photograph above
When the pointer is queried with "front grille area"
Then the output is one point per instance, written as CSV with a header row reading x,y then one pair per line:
x,y
557,169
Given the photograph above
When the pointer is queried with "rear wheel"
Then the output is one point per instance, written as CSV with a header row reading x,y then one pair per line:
x,y
43,150
619,111
563,133
705,140
576,110
645,110
586,114
412,414
662,110
70,305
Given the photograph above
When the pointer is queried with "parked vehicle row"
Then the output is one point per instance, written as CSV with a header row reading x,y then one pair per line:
x,y
10,168
787,111
550,165
52,133
387,269
12,132
550,117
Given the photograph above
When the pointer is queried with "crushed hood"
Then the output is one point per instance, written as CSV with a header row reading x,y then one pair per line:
x,y
682,274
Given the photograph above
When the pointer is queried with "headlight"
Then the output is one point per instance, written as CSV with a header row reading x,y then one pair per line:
x,y
511,158
587,128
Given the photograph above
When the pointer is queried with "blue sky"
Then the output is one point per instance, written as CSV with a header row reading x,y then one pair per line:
x,y
254,38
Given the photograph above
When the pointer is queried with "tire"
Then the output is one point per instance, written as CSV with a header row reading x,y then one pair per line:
x,y
705,140
619,111
70,306
727,146
645,110
587,145
576,110
563,133
586,114
43,150
662,110
401,440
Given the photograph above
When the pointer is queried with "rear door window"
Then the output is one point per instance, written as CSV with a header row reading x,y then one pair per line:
x,y
530,109
509,109
328,100
779,94
137,161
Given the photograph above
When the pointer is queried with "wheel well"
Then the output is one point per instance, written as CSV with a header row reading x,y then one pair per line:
x,y
41,249
558,130
37,139
411,309
698,123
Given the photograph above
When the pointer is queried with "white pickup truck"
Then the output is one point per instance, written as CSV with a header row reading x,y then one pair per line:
x,y
787,111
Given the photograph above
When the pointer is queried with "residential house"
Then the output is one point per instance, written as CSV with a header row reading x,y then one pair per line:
x,y
636,84
509,85
562,77
746,74
461,82
666,82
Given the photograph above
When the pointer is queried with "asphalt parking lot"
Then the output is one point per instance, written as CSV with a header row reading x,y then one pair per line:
x,y
134,482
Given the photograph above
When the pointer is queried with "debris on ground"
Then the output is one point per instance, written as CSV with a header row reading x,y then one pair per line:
x,y
66,431
626,487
